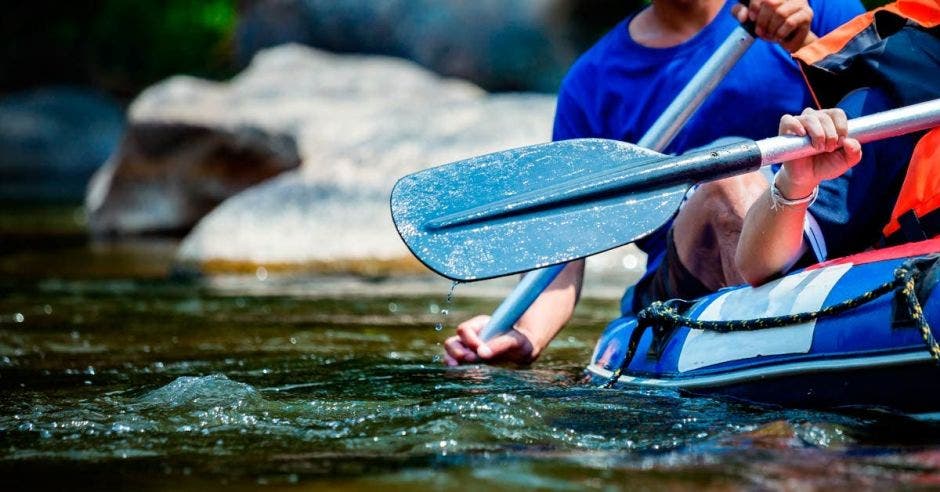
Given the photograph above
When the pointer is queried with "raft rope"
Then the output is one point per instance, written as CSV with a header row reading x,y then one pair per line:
x,y
662,315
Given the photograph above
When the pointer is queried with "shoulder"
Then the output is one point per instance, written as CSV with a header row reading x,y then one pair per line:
x,y
590,64
576,115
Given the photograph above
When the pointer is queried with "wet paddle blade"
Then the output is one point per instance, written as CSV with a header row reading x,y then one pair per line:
x,y
525,208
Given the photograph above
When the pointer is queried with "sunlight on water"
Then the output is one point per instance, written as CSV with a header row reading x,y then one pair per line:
x,y
159,385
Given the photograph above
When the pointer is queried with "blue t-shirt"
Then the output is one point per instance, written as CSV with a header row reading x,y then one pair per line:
x,y
618,88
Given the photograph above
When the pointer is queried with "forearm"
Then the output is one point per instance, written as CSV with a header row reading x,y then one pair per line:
x,y
554,308
772,236
771,239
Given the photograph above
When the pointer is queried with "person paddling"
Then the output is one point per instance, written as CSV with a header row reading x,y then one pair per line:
x,y
617,89
884,193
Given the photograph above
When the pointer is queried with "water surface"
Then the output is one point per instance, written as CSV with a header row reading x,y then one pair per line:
x,y
115,375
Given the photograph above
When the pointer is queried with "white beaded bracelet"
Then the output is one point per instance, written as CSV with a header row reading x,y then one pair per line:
x,y
777,200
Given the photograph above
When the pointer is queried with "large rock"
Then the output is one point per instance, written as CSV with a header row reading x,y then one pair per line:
x,y
52,140
360,124
499,44
167,175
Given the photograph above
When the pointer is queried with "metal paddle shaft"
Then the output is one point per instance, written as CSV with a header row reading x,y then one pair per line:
x,y
659,135
547,211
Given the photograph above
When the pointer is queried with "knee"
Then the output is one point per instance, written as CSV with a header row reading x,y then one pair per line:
x,y
733,195
723,204
733,191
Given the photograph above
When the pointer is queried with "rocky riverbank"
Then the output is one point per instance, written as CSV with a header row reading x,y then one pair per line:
x,y
300,152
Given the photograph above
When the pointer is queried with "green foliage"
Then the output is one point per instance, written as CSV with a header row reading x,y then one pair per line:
x,y
120,45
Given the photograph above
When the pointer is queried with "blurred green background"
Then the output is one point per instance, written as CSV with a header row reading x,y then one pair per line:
x,y
122,46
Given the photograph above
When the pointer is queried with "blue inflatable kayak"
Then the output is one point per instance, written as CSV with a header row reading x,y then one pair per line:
x,y
873,355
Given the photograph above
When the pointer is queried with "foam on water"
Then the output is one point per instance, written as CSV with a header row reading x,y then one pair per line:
x,y
188,388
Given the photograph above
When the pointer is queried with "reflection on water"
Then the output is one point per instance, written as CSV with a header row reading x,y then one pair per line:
x,y
141,383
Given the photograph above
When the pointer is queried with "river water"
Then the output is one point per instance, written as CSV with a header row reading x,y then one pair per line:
x,y
116,375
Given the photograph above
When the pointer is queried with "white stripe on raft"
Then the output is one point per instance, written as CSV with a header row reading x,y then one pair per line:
x,y
798,293
827,365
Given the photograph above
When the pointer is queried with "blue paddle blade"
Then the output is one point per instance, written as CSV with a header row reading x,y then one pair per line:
x,y
531,207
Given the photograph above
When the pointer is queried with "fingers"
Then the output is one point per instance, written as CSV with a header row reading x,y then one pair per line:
x,y
469,331
462,348
457,353
794,22
740,13
504,344
781,21
851,151
789,125
841,122
828,132
765,13
826,129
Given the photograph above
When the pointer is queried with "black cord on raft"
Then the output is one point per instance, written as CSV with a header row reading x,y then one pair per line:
x,y
665,314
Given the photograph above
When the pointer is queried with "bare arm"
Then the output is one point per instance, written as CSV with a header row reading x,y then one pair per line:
x,y
772,237
534,331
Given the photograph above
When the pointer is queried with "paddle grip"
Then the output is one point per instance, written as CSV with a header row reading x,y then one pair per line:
x,y
900,121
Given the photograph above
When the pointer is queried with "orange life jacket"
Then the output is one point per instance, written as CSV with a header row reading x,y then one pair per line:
x,y
916,214
894,48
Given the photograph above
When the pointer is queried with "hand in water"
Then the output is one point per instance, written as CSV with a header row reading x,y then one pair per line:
x,y
467,348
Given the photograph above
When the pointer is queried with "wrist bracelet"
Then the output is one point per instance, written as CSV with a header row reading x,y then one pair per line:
x,y
777,200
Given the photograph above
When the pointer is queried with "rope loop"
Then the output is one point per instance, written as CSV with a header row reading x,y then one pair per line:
x,y
668,314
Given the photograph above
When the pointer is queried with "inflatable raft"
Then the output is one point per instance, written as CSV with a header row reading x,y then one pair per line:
x,y
876,351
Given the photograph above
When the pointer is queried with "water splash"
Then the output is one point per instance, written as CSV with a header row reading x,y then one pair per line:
x,y
201,392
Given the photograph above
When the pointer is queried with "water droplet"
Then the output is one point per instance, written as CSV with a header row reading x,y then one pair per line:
x,y
438,326
19,318
47,309
433,308
293,341
261,273
392,307
445,312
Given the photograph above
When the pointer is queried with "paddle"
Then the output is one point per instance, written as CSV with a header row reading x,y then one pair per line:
x,y
531,207
657,137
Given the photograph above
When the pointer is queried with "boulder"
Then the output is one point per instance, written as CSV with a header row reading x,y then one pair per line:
x,y
360,123
53,139
498,44
167,175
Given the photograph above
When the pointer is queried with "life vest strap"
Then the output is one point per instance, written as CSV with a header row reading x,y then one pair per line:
x,y
914,228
